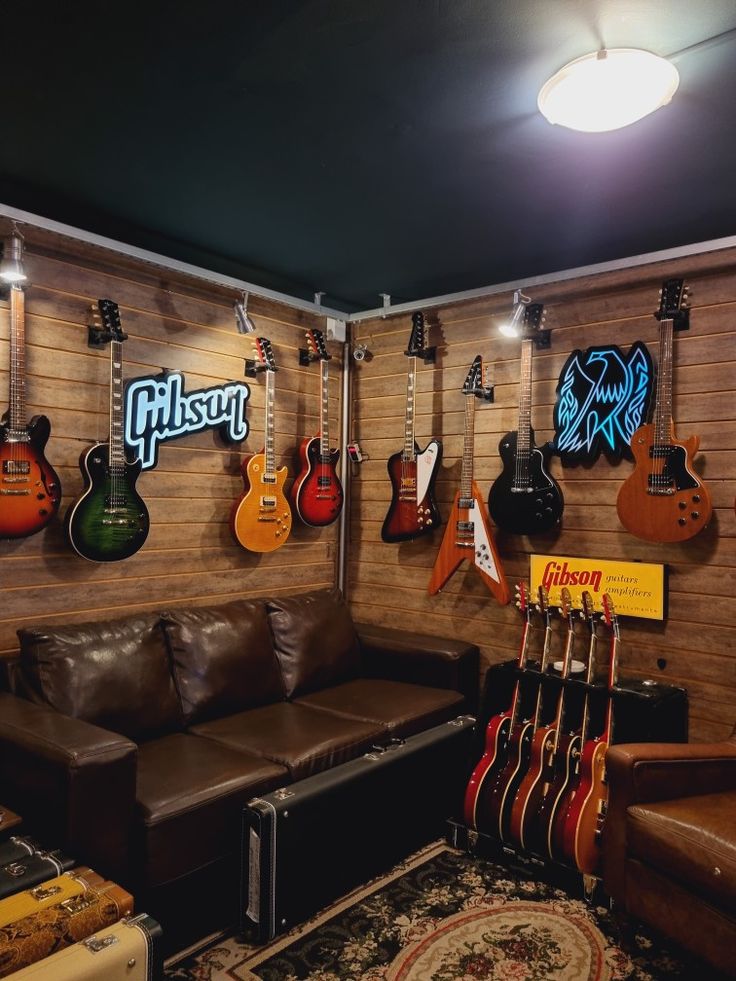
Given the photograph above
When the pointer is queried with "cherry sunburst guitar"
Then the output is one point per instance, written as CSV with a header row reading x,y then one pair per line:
x,y
524,499
261,517
30,491
487,789
413,510
529,824
663,500
317,493
109,521
468,533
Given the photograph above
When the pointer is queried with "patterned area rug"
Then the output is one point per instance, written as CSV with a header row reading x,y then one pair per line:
x,y
449,916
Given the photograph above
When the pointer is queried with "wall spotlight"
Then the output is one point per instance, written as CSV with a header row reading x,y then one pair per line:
x,y
512,327
361,353
242,320
11,266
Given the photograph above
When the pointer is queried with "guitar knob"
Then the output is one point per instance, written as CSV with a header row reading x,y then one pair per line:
x,y
40,497
538,515
429,522
286,515
548,510
696,499
695,515
43,512
681,521
682,505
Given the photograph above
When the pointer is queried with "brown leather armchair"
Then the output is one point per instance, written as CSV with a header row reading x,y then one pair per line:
x,y
669,843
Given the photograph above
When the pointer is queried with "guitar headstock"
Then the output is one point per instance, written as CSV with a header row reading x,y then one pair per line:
x,y
673,297
588,610
543,604
474,379
522,600
533,319
316,345
263,354
566,607
609,616
418,336
110,316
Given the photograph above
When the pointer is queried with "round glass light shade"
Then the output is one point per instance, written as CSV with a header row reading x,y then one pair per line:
x,y
608,89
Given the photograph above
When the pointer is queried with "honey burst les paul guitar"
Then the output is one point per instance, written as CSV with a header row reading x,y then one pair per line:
x,y
468,533
413,510
317,492
30,491
261,517
109,521
663,500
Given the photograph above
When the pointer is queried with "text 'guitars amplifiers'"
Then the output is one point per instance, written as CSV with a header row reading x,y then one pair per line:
x,y
413,510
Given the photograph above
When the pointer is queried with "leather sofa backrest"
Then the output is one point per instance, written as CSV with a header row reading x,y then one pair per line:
x,y
114,674
222,658
315,640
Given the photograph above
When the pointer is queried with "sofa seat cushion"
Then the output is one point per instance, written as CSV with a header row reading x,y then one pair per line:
x,y
190,795
403,709
305,740
691,839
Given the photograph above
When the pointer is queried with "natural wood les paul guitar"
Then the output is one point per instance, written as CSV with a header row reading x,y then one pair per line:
x,y
664,500
261,517
468,533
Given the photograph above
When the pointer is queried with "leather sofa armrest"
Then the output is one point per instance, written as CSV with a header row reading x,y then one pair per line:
x,y
639,773
73,783
438,662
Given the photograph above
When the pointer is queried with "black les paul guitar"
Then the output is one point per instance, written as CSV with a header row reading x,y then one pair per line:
x,y
109,521
525,499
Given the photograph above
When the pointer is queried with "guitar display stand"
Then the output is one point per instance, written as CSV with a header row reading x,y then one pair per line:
x,y
485,393
308,357
254,368
427,355
98,337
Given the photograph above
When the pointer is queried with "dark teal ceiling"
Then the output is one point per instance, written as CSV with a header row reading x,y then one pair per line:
x,y
363,146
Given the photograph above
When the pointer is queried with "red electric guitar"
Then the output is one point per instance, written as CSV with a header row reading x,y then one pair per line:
x,y
413,510
317,494
30,491
468,533
484,800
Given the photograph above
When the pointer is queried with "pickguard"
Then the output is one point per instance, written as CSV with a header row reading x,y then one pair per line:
x,y
483,555
426,465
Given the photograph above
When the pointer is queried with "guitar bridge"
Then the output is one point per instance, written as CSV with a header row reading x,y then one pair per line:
x,y
14,492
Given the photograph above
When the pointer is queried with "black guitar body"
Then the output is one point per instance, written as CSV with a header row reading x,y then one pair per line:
x,y
535,504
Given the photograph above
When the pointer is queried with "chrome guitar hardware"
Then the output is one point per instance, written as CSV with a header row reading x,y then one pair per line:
x,y
95,944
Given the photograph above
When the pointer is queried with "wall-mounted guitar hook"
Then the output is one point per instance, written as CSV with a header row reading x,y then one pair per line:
x,y
97,336
254,368
485,392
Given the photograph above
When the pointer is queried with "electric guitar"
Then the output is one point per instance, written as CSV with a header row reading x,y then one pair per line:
x,y
468,533
585,819
30,491
261,517
317,494
479,793
524,499
109,521
546,776
663,500
569,806
413,510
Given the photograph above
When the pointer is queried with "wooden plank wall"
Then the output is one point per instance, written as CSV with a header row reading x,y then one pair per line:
x,y
696,647
172,322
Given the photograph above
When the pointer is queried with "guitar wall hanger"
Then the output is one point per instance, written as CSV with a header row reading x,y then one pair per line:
x,y
254,368
540,335
307,357
98,337
681,317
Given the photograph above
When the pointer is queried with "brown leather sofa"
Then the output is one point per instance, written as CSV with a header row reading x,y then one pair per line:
x,y
134,743
669,843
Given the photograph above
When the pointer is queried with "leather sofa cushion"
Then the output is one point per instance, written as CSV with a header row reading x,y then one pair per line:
x,y
402,709
315,640
303,739
692,840
223,659
114,674
190,797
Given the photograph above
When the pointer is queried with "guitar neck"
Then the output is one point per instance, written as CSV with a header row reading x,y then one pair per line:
x,y
324,398
566,664
117,436
17,413
663,407
516,701
409,453
466,474
543,669
589,678
270,461
612,680
523,439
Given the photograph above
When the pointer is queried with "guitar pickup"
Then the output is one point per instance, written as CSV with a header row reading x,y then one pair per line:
x,y
268,501
466,502
323,481
268,478
17,467
465,526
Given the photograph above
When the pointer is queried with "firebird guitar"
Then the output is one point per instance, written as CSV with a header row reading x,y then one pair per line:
x,y
585,818
109,521
525,499
468,533
663,500
413,510
317,493
261,517
30,491
487,791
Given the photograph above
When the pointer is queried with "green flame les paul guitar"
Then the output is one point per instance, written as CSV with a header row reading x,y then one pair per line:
x,y
109,521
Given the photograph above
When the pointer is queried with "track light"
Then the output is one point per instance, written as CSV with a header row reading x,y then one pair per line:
x,y
243,322
11,266
512,327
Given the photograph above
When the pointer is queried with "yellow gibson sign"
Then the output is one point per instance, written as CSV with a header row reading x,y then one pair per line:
x,y
636,588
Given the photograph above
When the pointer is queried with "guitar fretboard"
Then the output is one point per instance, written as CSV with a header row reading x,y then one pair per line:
x,y
324,396
17,362
270,471
523,438
663,409
408,453
117,435
466,473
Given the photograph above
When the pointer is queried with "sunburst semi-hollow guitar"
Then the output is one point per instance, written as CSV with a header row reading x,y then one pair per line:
x,y
468,533
317,493
109,521
30,491
261,517
413,510
524,499
663,500
486,790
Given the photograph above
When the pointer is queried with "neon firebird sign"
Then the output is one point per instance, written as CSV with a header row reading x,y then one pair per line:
x,y
157,409
603,397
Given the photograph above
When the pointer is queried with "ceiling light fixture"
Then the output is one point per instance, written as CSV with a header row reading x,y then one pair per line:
x,y
11,266
512,327
608,89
